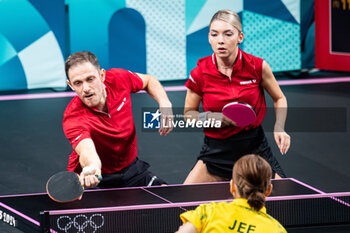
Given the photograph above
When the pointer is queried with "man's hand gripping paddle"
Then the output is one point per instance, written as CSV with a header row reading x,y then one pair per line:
x,y
65,186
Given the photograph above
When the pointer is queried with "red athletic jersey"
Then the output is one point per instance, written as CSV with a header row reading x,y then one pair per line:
x,y
113,134
217,90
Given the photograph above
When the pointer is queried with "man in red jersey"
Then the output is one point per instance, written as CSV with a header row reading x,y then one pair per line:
x,y
98,122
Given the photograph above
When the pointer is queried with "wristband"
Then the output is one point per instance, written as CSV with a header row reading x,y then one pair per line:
x,y
87,170
202,116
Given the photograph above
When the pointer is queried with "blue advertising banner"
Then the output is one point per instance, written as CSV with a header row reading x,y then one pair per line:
x,y
164,38
30,54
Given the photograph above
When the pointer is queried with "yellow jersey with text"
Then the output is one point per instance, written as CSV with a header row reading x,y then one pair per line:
x,y
236,217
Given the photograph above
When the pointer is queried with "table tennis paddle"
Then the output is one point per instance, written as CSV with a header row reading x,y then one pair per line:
x,y
65,186
241,113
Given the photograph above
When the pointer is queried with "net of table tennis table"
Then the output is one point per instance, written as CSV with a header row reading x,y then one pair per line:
x,y
290,211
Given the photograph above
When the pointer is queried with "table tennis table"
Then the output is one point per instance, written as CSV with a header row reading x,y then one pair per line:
x,y
157,209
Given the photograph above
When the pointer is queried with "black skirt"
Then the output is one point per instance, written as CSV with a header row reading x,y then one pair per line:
x,y
219,155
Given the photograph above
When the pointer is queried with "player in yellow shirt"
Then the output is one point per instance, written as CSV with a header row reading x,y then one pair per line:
x,y
250,184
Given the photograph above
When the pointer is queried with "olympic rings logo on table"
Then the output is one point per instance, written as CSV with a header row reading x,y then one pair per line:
x,y
64,223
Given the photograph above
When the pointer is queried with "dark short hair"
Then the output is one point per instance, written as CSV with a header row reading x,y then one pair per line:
x,y
81,57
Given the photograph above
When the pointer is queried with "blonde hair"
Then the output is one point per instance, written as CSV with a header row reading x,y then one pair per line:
x,y
228,16
252,176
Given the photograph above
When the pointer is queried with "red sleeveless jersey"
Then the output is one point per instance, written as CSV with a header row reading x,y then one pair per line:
x,y
217,89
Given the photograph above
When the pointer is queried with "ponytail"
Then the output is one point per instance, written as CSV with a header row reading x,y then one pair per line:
x,y
256,200
252,176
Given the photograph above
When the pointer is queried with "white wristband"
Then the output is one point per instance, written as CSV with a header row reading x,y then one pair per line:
x,y
202,116
87,170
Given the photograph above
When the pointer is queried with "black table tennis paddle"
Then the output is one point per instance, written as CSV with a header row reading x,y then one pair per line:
x,y
65,186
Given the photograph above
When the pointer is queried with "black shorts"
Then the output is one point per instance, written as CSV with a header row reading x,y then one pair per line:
x,y
136,174
219,155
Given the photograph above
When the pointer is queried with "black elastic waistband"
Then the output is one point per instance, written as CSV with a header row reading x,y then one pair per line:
x,y
254,133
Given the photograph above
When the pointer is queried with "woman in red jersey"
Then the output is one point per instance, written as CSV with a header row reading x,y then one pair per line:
x,y
228,75
250,184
